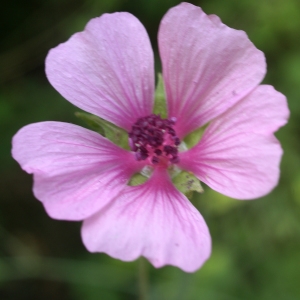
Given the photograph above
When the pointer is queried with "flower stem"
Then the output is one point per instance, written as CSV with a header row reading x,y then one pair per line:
x,y
143,279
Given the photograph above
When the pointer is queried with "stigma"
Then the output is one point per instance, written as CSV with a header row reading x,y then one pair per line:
x,y
154,139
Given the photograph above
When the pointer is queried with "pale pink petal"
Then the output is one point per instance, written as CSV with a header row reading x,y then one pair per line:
x,y
207,66
76,171
107,70
153,220
238,154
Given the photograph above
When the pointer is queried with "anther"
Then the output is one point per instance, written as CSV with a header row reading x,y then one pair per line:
x,y
155,139
158,152
155,160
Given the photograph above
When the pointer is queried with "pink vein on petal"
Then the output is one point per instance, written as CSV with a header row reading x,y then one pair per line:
x,y
76,171
238,154
207,66
107,70
153,220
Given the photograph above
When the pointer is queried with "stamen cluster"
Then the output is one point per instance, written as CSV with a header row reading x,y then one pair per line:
x,y
155,139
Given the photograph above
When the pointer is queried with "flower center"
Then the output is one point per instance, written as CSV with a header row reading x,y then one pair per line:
x,y
154,139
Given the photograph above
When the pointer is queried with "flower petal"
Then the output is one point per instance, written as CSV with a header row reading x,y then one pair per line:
x,y
154,220
107,70
76,171
238,154
207,66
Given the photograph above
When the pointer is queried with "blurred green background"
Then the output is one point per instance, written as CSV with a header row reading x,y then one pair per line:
x,y
256,244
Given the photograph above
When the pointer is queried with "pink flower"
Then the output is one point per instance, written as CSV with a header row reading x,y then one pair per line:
x,y
211,75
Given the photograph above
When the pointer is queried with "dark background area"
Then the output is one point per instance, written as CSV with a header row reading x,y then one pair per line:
x,y
256,244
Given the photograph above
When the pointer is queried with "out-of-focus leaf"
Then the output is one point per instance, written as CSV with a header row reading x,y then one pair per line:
x,y
187,183
194,137
160,106
137,179
117,135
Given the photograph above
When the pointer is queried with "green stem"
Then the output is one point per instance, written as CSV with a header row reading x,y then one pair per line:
x,y
143,279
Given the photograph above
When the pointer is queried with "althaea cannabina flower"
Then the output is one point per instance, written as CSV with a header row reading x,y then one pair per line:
x,y
211,76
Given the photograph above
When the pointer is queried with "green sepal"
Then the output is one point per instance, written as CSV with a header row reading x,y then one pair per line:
x,y
187,183
137,179
160,105
194,137
112,132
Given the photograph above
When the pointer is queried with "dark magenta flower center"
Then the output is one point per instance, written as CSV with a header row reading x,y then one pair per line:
x,y
154,139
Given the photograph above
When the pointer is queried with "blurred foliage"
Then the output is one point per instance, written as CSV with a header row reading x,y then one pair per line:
x,y
255,243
